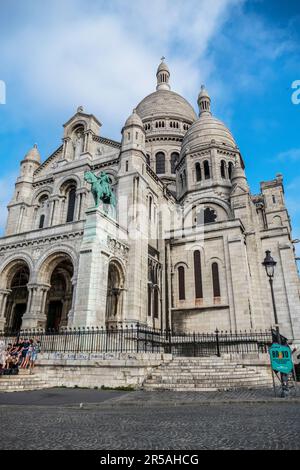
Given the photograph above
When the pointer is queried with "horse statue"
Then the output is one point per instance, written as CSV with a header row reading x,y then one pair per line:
x,y
101,188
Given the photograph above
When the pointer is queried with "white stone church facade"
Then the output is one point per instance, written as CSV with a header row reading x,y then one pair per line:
x,y
184,247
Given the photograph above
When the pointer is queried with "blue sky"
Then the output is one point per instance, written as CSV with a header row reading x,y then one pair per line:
x,y
103,55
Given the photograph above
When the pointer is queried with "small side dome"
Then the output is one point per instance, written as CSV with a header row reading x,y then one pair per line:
x,y
134,120
33,154
207,129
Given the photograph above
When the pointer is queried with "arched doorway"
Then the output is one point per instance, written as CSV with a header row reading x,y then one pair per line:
x,y
16,304
57,272
115,289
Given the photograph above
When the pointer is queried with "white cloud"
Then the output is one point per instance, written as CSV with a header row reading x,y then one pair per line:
x,y
105,57
291,155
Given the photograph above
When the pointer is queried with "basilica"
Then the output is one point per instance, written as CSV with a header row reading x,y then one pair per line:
x,y
181,248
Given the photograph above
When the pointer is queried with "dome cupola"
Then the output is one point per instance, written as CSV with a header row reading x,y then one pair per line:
x,y
33,154
134,120
163,76
207,129
204,101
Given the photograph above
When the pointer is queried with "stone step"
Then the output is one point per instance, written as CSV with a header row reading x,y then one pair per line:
x,y
206,374
24,381
200,366
212,382
25,372
206,387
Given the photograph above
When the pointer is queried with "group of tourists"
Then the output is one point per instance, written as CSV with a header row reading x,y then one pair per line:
x,y
19,355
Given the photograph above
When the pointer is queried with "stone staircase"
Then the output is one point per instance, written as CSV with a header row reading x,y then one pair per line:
x,y
207,374
24,381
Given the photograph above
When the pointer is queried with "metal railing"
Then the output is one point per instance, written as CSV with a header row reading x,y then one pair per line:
x,y
140,339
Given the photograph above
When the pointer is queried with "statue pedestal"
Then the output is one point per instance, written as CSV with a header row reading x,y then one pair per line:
x,y
101,235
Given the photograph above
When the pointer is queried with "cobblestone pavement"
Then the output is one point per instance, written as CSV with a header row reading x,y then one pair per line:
x,y
59,396
162,424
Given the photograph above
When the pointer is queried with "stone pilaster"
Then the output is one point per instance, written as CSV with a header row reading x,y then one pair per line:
x,y
54,204
95,252
4,293
35,315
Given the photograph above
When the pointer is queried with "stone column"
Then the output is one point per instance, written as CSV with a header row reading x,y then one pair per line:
x,y
80,200
83,205
67,150
58,213
54,204
70,314
35,316
4,293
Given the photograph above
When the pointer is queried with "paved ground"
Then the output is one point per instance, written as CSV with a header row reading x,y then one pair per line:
x,y
53,419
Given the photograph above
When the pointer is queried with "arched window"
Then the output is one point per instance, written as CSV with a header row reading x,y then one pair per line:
x,y
71,204
198,172
230,170
149,300
42,221
148,159
181,283
223,169
150,207
174,160
160,163
216,280
206,170
155,303
210,216
198,275
43,200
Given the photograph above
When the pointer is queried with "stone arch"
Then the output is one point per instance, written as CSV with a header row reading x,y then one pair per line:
x,y
115,292
68,189
60,183
181,263
48,259
57,273
9,263
78,124
15,278
47,190
207,202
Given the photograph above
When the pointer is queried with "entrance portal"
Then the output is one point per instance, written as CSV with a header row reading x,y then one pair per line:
x,y
59,301
17,316
54,315
17,300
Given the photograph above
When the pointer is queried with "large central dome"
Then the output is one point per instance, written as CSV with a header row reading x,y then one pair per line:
x,y
165,103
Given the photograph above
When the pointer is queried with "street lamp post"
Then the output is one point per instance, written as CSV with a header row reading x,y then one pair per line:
x,y
269,265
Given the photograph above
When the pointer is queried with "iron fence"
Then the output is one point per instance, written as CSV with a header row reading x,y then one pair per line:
x,y
139,339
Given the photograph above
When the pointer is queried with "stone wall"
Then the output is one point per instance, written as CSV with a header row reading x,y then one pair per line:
x,y
97,370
